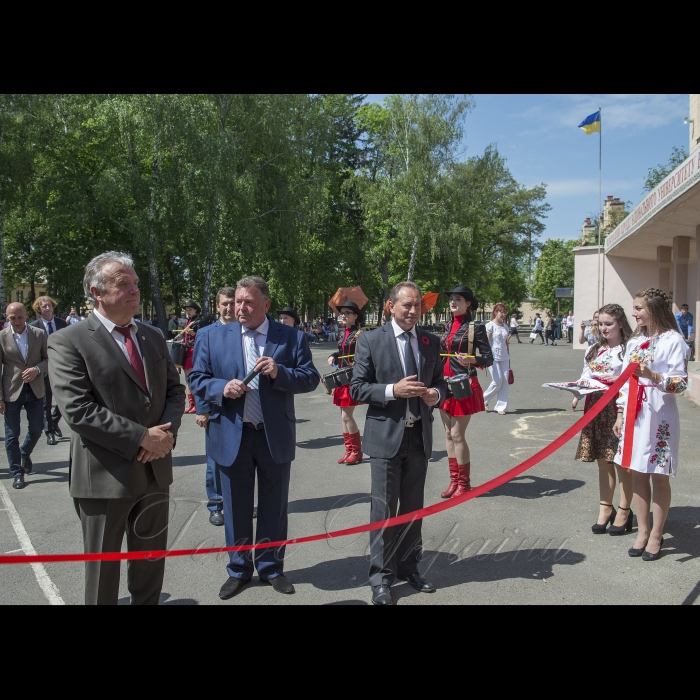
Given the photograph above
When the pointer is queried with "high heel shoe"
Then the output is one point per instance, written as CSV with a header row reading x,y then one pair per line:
x,y
601,529
638,552
648,556
622,529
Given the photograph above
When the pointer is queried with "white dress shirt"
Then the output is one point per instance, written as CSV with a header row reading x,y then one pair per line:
x,y
119,339
46,324
22,340
401,347
260,341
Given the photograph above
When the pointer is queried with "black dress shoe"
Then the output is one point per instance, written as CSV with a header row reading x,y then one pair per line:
x,y
216,517
51,439
648,556
281,584
232,586
418,582
18,483
27,464
381,595
57,431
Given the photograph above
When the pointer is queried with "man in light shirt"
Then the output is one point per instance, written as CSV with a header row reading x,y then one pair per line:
x,y
23,361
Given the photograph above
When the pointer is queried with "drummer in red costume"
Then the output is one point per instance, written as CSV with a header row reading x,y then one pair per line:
x,y
456,413
193,311
352,318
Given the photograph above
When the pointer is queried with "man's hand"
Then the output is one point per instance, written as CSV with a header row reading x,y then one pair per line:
x,y
266,365
431,397
202,419
30,374
408,387
2,407
156,443
235,388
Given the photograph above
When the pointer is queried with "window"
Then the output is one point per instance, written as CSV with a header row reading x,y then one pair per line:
x,y
20,296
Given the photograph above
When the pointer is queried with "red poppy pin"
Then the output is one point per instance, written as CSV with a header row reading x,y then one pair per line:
x,y
424,339
644,345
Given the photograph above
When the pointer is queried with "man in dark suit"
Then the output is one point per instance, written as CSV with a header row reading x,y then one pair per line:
x,y
398,372
253,434
23,359
225,305
44,308
121,396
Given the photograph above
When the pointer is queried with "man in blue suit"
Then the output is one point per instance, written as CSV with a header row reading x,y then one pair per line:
x,y
225,302
253,433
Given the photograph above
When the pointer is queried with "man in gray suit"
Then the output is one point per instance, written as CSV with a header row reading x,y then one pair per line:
x,y
121,396
398,372
23,361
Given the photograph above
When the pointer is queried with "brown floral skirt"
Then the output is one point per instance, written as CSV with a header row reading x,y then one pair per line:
x,y
597,439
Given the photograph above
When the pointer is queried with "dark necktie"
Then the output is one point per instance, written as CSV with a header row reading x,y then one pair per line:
x,y
411,369
50,331
134,357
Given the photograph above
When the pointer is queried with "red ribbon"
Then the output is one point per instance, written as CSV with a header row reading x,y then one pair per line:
x,y
633,407
391,522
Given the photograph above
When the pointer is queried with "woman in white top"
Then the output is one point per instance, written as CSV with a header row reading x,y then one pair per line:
x,y
663,372
598,442
514,327
498,336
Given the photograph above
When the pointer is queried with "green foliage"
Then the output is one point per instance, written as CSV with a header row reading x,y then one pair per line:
x,y
555,268
657,174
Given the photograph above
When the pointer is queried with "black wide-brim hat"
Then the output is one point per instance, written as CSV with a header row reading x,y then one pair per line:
x,y
289,311
466,293
193,305
354,308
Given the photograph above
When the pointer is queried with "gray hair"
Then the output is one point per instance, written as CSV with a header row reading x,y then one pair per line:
x,y
93,270
394,293
253,281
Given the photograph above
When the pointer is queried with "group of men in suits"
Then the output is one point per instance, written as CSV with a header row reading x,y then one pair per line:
x,y
120,394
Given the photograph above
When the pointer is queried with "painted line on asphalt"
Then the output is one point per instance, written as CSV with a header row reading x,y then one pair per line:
x,y
48,587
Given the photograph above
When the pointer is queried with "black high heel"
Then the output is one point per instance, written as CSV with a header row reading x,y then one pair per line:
x,y
622,529
638,552
601,529
648,556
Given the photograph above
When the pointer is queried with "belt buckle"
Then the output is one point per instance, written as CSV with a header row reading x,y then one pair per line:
x,y
409,423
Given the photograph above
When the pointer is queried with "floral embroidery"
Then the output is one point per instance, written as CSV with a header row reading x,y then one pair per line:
x,y
644,354
663,433
675,385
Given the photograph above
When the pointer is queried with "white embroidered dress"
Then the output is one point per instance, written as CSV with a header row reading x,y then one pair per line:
x,y
657,427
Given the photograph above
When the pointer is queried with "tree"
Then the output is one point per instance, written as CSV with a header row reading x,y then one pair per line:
x,y
555,268
657,174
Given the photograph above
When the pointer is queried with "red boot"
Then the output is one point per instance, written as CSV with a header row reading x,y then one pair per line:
x,y
463,481
454,472
348,449
356,446
191,408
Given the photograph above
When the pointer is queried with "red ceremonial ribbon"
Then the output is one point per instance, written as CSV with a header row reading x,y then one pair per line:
x,y
477,491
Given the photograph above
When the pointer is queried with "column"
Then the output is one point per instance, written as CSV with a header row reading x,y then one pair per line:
x,y
681,257
696,305
664,265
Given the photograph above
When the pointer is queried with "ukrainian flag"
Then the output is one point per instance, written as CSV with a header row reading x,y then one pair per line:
x,y
591,123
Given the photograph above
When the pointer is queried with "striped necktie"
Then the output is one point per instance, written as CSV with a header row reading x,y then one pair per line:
x,y
253,408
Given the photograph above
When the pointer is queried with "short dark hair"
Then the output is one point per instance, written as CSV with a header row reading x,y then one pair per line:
x,y
684,306
225,292
394,293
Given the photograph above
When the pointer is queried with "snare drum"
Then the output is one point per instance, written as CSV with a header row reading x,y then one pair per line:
x,y
339,377
459,386
177,352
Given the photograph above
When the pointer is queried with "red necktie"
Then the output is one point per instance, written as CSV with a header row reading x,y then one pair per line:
x,y
134,357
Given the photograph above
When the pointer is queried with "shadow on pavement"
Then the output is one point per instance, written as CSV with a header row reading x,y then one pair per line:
x,y
521,411
534,487
320,443
327,503
682,523
189,460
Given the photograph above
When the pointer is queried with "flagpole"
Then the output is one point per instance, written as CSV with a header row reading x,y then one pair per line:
x,y
600,198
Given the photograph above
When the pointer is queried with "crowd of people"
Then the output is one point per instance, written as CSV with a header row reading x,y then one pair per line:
x,y
123,400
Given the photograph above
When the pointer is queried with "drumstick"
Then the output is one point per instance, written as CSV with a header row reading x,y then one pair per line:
x,y
345,357
454,355
250,376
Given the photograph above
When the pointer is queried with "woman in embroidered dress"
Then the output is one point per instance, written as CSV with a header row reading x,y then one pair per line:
x,y
351,318
456,413
663,372
598,442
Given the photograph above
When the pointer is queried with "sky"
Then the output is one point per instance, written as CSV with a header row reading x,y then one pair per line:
x,y
539,137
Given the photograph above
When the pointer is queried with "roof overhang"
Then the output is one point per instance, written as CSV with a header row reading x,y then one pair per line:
x,y
671,209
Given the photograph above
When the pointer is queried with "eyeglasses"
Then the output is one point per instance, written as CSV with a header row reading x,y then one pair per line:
x,y
347,313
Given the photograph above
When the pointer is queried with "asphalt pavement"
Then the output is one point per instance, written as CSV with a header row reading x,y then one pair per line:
x,y
527,542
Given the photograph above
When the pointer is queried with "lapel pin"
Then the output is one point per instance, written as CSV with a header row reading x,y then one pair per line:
x,y
143,337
